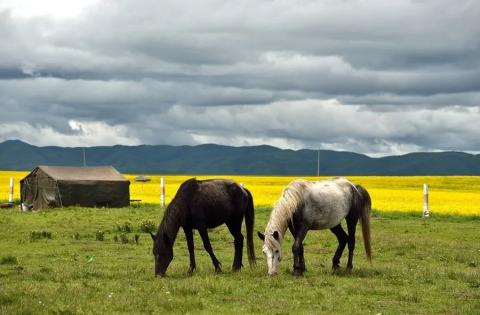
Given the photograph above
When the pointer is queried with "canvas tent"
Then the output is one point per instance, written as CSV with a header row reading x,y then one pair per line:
x,y
60,186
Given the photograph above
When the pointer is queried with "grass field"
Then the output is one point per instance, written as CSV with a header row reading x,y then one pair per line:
x,y
80,260
448,194
52,263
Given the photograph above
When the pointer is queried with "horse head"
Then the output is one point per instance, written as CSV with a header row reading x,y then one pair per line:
x,y
272,250
162,252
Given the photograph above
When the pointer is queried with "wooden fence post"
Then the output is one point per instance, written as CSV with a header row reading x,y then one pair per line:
x,y
10,195
426,212
162,192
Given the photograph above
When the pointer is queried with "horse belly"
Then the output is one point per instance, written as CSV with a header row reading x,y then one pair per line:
x,y
218,218
325,211
215,215
325,221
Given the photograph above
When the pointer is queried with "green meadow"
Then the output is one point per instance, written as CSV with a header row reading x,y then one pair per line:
x,y
99,261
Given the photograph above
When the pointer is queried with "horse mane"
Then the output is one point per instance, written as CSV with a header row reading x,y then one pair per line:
x,y
285,208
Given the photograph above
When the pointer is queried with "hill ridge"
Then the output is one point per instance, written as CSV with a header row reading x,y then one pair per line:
x,y
244,160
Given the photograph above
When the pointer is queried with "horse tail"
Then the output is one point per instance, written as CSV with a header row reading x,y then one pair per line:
x,y
365,219
249,222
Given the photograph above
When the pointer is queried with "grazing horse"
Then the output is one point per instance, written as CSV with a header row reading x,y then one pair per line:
x,y
202,205
306,205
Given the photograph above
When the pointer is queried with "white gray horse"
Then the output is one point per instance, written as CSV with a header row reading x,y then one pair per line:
x,y
306,205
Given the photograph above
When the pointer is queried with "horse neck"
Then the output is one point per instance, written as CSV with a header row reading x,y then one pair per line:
x,y
172,220
281,214
286,206
277,224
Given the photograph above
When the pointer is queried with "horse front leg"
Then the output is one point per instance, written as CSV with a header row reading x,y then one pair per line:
x,y
191,249
208,247
297,250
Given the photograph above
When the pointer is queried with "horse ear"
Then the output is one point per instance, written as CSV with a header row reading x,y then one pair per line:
x,y
261,236
152,235
275,235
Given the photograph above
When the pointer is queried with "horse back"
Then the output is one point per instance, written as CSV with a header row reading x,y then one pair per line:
x,y
216,202
326,204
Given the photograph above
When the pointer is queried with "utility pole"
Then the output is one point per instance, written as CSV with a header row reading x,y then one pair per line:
x,y
10,191
318,163
426,211
162,192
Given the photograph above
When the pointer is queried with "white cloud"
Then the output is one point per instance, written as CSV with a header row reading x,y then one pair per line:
x,y
368,76
53,8
89,134
329,124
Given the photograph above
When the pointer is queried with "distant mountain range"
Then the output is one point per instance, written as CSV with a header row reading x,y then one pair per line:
x,y
217,159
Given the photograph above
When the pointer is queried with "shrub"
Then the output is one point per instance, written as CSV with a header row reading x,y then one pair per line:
x,y
37,235
136,238
100,235
126,227
124,238
147,226
8,260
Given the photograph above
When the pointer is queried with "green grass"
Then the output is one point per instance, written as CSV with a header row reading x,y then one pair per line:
x,y
419,267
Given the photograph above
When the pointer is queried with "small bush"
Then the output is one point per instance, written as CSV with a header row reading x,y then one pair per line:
x,y
136,238
147,226
126,227
100,235
37,235
124,238
9,260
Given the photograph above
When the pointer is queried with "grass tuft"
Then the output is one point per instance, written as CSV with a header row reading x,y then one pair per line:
x,y
8,260
38,235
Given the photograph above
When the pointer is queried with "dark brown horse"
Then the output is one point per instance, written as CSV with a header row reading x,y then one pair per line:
x,y
202,205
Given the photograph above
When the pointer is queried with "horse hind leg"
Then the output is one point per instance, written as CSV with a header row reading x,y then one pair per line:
x,y
236,230
352,226
342,238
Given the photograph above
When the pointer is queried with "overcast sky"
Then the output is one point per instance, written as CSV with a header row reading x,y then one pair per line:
x,y
374,77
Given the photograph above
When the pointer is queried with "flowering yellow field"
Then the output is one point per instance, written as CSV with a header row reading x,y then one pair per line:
x,y
448,194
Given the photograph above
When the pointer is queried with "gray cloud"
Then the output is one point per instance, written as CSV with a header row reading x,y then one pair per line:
x,y
402,76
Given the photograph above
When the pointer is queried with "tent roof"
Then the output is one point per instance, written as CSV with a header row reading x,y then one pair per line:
x,y
94,173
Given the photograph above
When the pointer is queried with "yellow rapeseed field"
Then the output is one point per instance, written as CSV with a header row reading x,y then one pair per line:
x,y
448,194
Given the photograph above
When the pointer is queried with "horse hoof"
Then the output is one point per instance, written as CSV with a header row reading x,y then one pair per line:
x,y
297,272
190,271
335,268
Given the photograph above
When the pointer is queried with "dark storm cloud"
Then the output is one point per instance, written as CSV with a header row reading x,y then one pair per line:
x,y
186,71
